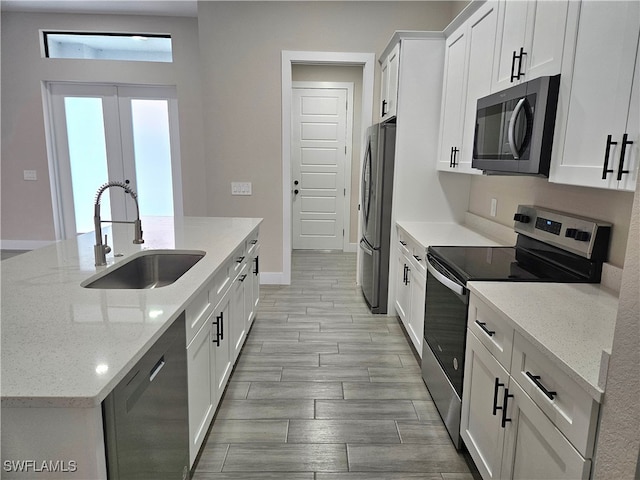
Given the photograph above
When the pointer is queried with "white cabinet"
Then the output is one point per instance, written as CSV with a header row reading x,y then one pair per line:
x,y
202,399
410,288
598,103
521,417
529,41
467,77
390,66
217,322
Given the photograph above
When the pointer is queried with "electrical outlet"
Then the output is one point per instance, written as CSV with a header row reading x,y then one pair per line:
x,y
494,207
30,175
240,188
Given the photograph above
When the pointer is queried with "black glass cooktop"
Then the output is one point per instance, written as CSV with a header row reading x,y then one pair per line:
x,y
505,264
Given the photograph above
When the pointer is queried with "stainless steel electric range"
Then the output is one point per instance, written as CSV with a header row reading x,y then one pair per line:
x,y
551,247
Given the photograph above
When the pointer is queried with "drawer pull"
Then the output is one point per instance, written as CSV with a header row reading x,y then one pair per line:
x,y
240,259
417,258
536,380
496,386
404,244
483,326
505,402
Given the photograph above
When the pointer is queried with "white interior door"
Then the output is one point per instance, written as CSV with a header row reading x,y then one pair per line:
x,y
319,152
107,133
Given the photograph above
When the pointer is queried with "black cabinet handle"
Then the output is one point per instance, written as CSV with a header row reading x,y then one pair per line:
x,y
221,320
256,271
455,157
623,151
505,403
296,182
296,191
520,73
496,386
240,259
536,380
451,158
384,105
254,241
513,65
404,274
605,169
417,258
217,324
483,326
404,244
242,277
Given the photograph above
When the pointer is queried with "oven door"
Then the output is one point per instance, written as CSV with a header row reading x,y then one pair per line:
x,y
445,322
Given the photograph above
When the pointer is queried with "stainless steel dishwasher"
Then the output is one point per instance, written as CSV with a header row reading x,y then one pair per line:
x,y
146,419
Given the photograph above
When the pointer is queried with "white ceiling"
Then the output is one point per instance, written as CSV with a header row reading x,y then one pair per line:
x,y
180,8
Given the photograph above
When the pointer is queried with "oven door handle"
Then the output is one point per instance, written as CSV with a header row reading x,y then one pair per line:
x,y
443,279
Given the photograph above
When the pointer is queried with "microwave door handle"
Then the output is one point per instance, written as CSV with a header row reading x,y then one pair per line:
x,y
447,282
512,128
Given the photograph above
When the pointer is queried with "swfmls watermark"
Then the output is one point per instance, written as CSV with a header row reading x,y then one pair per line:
x,y
40,466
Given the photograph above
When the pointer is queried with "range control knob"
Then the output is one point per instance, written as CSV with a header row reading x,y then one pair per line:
x,y
522,218
582,236
571,232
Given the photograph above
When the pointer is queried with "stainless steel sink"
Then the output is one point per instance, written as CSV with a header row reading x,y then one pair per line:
x,y
150,269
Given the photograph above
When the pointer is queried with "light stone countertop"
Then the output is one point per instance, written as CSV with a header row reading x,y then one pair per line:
x,y
68,346
571,323
445,233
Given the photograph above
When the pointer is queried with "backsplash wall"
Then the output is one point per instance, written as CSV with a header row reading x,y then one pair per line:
x,y
607,205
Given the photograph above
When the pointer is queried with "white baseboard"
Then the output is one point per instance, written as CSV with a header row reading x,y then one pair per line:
x,y
273,278
24,244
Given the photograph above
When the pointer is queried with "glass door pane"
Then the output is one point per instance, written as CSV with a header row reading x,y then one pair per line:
x,y
87,158
152,156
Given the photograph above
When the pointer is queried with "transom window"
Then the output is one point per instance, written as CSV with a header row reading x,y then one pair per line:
x,y
138,47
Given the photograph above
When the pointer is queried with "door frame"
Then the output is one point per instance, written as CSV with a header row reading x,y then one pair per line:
x,y
58,172
346,204
289,58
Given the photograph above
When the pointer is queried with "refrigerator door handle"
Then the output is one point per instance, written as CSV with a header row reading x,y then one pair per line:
x,y
364,245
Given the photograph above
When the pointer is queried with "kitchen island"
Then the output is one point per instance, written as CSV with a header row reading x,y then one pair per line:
x,y
65,347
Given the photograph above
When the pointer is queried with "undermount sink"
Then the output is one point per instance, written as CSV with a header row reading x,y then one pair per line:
x,y
149,269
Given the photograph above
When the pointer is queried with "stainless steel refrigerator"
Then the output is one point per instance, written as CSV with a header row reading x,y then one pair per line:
x,y
375,208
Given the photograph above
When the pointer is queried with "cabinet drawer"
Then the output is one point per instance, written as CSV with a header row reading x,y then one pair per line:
x,y
238,259
221,283
493,331
567,405
252,243
415,252
196,313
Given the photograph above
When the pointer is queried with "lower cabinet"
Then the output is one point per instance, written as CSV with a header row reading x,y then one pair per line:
x,y
221,333
410,289
507,433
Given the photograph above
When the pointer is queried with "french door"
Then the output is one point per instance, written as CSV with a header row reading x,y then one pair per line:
x,y
102,133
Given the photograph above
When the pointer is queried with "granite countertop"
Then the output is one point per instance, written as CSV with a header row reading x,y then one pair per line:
x,y
570,323
68,346
444,233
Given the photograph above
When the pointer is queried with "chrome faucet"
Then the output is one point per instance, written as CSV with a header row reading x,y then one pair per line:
x,y
100,249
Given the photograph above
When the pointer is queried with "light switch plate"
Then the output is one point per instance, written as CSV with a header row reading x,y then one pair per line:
x,y
240,188
30,175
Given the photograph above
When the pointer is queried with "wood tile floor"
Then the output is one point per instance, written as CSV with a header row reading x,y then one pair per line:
x,y
323,390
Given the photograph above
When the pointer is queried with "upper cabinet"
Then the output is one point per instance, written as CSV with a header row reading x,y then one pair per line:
x,y
390,66
467,77
596,136
529,41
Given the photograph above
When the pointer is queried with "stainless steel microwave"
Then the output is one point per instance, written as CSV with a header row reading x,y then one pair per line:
x,y
514,129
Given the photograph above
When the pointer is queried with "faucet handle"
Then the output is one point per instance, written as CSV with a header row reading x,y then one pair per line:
x,y
106,247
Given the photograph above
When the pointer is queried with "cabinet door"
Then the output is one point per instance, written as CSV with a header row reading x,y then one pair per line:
x,y
544,46
221,344
480,40
480,427
534,448
201,394
510,37
403,290
255,287
452,99
389,84
237,320
416,319
631,159
595,95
